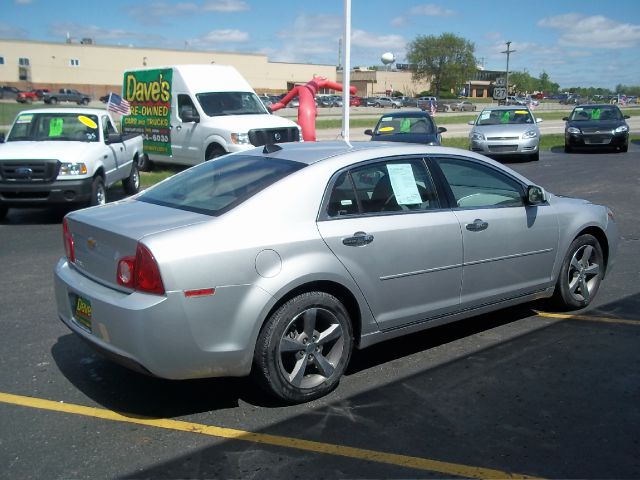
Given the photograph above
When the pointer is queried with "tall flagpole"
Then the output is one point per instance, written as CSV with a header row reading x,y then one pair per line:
x,y
346,70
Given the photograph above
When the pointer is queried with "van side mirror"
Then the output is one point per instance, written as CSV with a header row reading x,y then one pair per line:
x,y
190,116
536,195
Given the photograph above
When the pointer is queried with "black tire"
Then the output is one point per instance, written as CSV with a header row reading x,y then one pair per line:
x,y
377,105
580,275
3,212
304,348
85,101
131,184
624,148
144,164
214,151
567,148
534,157
98,192
53,101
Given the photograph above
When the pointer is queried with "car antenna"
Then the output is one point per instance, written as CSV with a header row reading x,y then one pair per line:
x,y
271,148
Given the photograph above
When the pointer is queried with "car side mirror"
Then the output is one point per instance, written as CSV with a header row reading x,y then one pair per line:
x,y
1,137
369,132
113,138
536,195
627,116
441,130
471,122
539,120
189,116
566,119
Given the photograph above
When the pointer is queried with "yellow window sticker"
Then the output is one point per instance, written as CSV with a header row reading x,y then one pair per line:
x,y
25,118
87,121
521,112
55,127
386,129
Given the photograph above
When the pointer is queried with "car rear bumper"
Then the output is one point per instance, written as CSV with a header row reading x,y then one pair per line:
x,y
168,336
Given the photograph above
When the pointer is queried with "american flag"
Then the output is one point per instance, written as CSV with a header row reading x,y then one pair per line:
x,y
118,104
432,107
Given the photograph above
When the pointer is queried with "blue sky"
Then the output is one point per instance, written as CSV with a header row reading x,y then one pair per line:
x,y
578,43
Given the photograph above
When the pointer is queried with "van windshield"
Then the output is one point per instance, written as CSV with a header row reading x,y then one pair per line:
x,y
216,104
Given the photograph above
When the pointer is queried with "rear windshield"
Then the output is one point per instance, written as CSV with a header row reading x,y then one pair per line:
x,y
215,187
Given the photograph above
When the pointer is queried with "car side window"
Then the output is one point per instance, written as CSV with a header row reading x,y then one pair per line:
x,y
390,186
107,127
474,185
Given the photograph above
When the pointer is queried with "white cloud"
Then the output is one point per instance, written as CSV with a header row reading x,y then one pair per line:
x,y
226,6
226,36
11,31
577,30
306,26
22,2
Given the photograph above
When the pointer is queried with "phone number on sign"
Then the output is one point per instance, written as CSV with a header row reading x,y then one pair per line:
x,y
156,137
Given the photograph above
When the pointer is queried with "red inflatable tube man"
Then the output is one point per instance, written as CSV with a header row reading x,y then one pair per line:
x,y
307,111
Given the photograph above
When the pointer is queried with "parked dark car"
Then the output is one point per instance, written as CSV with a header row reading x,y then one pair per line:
x,y
598,125
66,95
411,127
7,92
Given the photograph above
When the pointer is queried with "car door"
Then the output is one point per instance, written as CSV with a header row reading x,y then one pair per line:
x,y
509,247
114,157
186,146
385,222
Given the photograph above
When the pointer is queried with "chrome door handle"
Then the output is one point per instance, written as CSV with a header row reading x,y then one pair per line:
x,y
477,225
359,239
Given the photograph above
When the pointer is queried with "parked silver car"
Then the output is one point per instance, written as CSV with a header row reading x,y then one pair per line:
x,y
387,102
279,261
506,131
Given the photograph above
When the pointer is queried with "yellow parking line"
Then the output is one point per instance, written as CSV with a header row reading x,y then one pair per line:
x,y
265,439
589,318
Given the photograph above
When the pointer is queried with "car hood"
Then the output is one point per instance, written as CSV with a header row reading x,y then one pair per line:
x,y
504,130
244,123
45,150
408,138
595,124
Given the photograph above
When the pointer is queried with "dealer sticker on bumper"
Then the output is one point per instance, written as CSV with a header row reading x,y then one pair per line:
x,y
83,312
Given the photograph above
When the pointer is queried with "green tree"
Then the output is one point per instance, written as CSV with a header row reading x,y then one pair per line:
x,y
447,61
522,82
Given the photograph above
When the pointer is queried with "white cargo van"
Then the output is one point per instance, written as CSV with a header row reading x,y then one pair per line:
x,y
191,113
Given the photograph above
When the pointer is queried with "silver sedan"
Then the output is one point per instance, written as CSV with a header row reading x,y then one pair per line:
x,y
279,261
506,131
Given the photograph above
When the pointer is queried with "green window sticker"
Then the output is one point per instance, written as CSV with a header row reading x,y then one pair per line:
x,y
505,117
405,125
595,114
55,127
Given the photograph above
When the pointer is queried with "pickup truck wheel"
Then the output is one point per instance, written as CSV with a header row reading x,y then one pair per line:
x,y
85,101
98,192
144,164
53,101
131,184
214,151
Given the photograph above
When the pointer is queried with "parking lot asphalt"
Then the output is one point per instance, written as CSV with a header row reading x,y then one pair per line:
x,y
516,393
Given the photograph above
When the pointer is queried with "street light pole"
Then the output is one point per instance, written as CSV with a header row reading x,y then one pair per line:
x,y
508,52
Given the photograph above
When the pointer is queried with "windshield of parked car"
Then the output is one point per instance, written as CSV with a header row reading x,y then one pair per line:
x,y
217,186
54,126
216,104
504,117
600,112
395,125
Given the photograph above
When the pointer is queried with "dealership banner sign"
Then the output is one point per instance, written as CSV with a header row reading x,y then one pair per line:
x,y
149,95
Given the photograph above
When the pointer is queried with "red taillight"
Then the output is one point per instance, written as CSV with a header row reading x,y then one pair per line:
x,y
140,272
67,239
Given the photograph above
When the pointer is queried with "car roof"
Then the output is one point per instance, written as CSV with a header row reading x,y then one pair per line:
x,y
90,111
409,114
508,107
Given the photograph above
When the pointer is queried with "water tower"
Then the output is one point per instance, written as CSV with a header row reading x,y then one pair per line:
x,y
387,59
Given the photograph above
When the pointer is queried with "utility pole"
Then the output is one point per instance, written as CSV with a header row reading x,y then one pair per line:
x,y
508,52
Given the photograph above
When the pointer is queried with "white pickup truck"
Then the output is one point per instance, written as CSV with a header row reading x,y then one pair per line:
x,y
61,156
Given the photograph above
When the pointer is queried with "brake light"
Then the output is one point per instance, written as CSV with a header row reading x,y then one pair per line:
x,y
141,272
67,239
